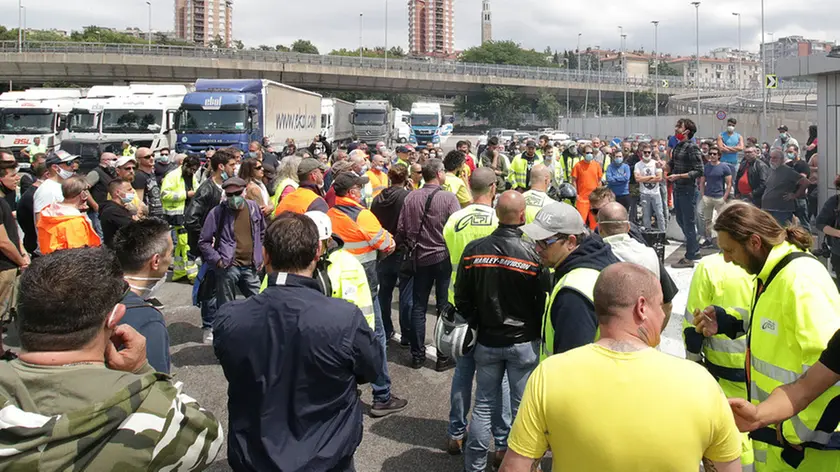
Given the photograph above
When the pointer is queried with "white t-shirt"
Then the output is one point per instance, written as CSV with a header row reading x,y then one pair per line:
x,y
48,192
645,170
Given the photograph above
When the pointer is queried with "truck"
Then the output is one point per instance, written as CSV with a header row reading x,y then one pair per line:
x,y
144,116
83,121
373,121
335,120
36,112
427,124
402,125
234,112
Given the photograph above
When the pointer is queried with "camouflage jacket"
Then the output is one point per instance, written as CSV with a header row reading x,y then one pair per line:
x,y
88,417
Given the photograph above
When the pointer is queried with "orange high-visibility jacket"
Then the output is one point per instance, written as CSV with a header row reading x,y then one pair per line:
x,y
64,231
361,231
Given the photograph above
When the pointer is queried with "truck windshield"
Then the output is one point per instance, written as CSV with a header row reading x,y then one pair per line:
x,y
197,121
132,121
26,123
425,120
83,122
373,117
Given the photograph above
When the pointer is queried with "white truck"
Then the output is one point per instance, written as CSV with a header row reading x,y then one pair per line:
x,y
83,122
144,116
402,125
427,124
335,120
37,112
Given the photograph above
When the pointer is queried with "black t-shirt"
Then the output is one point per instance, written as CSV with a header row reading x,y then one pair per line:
x,y
26,219
831,356
800,166
113,217
11,229
10,196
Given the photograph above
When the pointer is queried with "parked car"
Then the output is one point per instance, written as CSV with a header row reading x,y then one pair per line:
x,y
559,136
506,135
639,138
521,136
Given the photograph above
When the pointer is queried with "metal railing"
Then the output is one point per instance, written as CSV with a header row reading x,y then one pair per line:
x,y
415,65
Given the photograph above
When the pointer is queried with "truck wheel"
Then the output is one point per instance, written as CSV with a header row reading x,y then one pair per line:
x,y
403,140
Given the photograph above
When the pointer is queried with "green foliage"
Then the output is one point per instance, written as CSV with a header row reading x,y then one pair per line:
x,y
505,52
304,46
547,107
97,34
238,44
501,106
664,69
395,52
218,42
280,48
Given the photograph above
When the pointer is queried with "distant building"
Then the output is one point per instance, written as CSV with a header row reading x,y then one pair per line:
x,y
635,65
431,28
202,21
732,53
486,22
793,46
718,72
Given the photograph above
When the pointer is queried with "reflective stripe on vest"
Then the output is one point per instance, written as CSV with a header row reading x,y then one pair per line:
x,y
350,283
581,280
519,170
297,201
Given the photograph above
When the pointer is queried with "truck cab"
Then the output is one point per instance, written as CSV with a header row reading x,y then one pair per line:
x,y
371,121
34,113
83,121
402,125
145,116
426,124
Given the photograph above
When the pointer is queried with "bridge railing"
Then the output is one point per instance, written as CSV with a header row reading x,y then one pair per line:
x,y
414,65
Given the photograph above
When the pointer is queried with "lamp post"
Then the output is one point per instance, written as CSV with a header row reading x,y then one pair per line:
x,y
697,38
598,48
386,34
20,26
578,55
24,25
361,17
150,23
763,74
740,54
623,62
566,60
656,77
773,55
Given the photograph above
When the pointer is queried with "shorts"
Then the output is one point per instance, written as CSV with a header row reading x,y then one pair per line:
x,y
8,293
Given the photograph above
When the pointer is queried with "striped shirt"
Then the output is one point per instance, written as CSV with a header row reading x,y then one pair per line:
x,y
431,247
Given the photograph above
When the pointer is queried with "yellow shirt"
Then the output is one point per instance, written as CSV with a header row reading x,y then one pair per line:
x,y
601,410
457,186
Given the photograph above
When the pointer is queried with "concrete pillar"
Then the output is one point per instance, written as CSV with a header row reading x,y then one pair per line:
x,y
828,121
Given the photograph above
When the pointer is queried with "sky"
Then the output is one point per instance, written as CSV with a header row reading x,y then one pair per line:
x,y
333,24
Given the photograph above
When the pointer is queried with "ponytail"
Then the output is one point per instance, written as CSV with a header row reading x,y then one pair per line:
x,y
797,236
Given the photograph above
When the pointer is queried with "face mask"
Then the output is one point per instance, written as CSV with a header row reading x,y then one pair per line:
x,y
224,176
252,155
163,158
236,202
783,137
64,174
661,148
705,152
791,155
730,129
432,155
680,137
646,158
619,160
128,198
588,157
112,164
147,292
365,168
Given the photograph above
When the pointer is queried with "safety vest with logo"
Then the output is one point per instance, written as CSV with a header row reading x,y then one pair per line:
x,y
581,280
278,191
519,169
378,183
570,164
297,201
349,283
463,227
361,231
534,201
129,151
795,312
173,192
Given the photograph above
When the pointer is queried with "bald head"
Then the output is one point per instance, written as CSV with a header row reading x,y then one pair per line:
x,y
540,178
107,158
612,219
511,208
481,181
620,289
142,152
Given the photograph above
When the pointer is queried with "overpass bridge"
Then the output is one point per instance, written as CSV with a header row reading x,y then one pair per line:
x,y
95,63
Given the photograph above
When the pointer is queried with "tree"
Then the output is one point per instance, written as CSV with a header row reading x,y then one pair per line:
x,y
304,46
281,48
218,42
238,44
396,51
547,107
504,52
664,69
501,106
263,47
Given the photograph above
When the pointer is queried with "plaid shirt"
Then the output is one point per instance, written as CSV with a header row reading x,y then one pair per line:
x,y
686,159
431,247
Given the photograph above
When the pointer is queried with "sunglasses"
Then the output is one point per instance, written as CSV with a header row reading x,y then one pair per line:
x,y
258,168
129,169
545,243
234,194
645,152
713,154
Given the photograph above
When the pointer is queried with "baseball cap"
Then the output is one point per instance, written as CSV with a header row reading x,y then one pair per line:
x,y
309,164
323,222
346,181
59,157
233,183
531,143
783,128
404,149
555,218
123,160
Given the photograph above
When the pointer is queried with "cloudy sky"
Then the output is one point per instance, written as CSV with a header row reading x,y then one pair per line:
x,y
536,24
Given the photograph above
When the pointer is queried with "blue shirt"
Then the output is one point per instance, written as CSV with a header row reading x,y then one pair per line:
x,y
618,179
730,141
148,321
716,179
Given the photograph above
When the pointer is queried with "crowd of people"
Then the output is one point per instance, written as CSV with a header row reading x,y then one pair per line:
x,y
543,258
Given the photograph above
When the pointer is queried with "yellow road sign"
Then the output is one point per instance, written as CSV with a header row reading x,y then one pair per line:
x,y
771,81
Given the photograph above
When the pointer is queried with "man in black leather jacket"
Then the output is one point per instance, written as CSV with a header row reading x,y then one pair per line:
x,y
500,290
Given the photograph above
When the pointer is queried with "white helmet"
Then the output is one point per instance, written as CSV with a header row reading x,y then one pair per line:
x,y
322,221
453,335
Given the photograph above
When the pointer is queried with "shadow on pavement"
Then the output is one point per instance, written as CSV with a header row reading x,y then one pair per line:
x,y
422,432
423,459
194,356
182,333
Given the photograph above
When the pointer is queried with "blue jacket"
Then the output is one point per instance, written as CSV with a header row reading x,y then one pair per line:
x,y
149,322
293,359
225,248
618,179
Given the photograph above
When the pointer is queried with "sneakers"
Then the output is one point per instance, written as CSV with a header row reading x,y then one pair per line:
x,y
208,335
454,447
707,244
444,363
683,264
418,362
394,405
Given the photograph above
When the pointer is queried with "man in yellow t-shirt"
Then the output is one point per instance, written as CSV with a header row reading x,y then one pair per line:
x,y
619,404
453,163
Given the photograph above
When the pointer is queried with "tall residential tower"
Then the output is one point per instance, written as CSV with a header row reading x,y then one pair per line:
x,y
486,23
202,21
431,28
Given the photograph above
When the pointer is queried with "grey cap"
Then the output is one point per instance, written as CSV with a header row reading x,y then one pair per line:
x,y
555,218
234,183
309,164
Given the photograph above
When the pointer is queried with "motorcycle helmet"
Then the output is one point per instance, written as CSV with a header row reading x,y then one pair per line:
x,y
567,190
453,336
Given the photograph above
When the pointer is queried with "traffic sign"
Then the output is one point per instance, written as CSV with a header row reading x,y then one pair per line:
x,y
771,81
664,83
721,115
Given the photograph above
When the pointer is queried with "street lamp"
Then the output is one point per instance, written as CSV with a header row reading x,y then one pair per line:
x,y
763,75
623,62
20,26
24,24
740,54
697,36
386,34
656,77
361,16
578,54
150,23
773,54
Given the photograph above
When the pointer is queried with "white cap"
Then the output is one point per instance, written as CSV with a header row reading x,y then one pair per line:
x,y
123,160
322,221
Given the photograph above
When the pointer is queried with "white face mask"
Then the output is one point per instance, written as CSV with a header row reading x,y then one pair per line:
x,y
64,174
147,292
730,129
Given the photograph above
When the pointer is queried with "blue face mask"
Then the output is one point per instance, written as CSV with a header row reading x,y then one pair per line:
x,y
791,155
588,157
619,160
224,176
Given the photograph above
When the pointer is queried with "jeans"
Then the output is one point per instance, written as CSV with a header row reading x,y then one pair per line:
x,y
389,277
700,219
96,223
802,213
652,206
491,364
382,385
227,280
460,399
439,275
663,192
685,206
625,200
710,206
783,217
